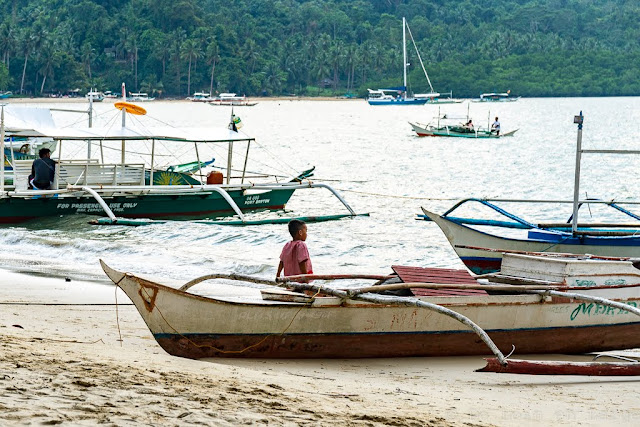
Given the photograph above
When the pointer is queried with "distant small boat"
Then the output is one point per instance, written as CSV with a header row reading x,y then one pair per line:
x,y
399,95
7,94
392,96
438,98
232,99
109,94
97,96
456,131
139,97
496,97
457,127
200,97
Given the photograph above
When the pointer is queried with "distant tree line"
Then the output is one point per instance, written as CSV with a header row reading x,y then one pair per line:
x,y
311,47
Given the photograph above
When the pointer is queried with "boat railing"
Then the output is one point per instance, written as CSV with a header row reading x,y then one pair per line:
x,y
89,173
520,223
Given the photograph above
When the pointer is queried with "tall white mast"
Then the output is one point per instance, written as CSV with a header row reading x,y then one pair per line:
x,y
404,54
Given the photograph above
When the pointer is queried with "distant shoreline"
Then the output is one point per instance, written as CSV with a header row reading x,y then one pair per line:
x,y
82,100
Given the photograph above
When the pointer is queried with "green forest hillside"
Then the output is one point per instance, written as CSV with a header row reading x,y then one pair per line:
x,y
173,48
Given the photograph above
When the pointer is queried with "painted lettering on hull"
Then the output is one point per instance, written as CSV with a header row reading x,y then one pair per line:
x,y
256,200
95,207
594,309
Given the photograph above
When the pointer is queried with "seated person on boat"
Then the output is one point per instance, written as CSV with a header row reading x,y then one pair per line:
x,y
42,171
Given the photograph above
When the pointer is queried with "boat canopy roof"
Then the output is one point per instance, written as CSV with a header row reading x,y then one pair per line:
x,y
484,95
389,89
134,133
20,117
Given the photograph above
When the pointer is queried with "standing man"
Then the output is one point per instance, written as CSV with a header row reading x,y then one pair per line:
x,y
495,127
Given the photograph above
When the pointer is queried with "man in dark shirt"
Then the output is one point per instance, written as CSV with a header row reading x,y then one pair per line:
x,y
43,170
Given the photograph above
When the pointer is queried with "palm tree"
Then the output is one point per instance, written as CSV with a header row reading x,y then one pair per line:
x,y
212,58
162,49
250,54
88,54
179,36
7,41
190,51
32,41
47,58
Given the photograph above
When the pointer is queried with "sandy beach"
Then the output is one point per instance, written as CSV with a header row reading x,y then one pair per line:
x,y
62,362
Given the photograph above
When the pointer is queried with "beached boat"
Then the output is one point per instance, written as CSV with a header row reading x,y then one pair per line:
x,y
200,97
496,97
142,189
480,242
95,96
399,95
232,99
465,317
139,97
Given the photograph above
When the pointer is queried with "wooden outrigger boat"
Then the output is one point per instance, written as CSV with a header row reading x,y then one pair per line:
x,y
463,316
480,242
456,131
454,126
141,189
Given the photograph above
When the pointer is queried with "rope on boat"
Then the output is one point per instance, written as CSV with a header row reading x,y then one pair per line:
x,y
230,276
344,295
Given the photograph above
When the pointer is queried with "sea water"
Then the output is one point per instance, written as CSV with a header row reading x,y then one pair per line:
x,y
372,157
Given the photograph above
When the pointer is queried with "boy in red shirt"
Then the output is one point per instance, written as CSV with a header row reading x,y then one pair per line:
x,y
294,258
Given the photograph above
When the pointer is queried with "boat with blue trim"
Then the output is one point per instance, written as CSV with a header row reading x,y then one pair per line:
x,y
400,95
480,242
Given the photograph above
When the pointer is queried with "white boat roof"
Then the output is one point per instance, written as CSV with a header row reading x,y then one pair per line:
x,y
21,117
134,133
38,123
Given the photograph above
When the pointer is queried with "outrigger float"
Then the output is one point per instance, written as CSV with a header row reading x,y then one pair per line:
x,y
464,315
137,193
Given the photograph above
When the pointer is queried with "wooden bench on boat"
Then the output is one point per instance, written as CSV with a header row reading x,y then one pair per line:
x,y
21,172
97,174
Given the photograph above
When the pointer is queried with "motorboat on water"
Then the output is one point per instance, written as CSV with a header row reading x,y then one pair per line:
x,y
144,188
200,97
496,97
232,99
139,97
95,96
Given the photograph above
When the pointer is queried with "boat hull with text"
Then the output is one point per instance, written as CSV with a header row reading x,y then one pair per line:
x,y
194,326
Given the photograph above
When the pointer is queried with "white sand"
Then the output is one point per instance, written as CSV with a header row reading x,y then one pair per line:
x,y
65,364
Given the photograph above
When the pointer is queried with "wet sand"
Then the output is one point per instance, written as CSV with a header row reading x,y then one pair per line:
x,y
62,361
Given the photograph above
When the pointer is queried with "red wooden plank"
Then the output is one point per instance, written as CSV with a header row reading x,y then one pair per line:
x,y
410,274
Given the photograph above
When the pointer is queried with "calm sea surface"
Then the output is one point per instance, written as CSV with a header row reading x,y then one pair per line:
x,y
372,157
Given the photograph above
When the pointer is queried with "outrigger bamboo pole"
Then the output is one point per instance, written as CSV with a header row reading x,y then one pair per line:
x,y
406,301
376,299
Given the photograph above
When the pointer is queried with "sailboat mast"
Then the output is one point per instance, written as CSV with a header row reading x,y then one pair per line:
x,y
404,53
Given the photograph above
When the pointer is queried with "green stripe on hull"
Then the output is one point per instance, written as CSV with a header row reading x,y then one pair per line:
x,y
183,206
